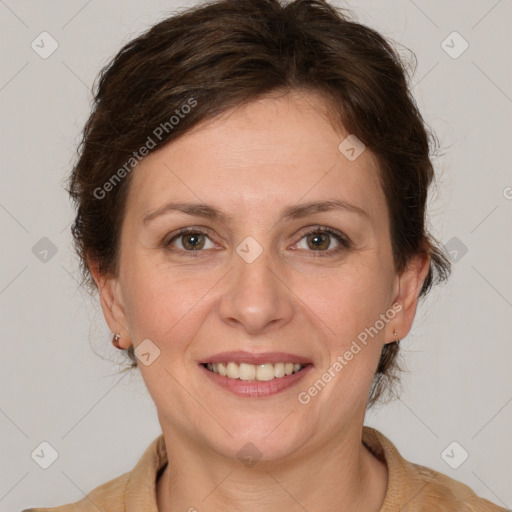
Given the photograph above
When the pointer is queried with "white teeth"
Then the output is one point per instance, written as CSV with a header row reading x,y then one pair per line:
x,y
265,372
232,371
222,369
260,372
279,370
246,371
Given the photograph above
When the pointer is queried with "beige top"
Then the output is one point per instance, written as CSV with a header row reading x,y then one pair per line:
x,y
411,487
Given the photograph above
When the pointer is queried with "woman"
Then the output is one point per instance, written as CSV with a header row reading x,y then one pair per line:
x,y
251,194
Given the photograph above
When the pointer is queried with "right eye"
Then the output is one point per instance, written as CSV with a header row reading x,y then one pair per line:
x,y
190,240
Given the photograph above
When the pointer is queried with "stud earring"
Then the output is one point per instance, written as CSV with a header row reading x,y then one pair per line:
x,y
115,341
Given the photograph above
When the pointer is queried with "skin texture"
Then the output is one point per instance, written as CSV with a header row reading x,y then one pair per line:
x,y
252,162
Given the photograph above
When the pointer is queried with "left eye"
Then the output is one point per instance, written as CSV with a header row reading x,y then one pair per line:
x,y
320,240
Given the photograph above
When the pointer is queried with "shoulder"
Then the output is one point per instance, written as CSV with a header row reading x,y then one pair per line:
x,y
135,490
108,496
416,488
430,490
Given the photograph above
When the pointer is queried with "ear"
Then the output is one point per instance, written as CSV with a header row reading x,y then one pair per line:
x,y
112,303
409,284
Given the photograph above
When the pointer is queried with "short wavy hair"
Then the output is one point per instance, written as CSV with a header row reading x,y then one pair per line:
x,y
227,53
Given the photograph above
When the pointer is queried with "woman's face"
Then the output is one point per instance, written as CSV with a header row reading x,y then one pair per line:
x,y
248,279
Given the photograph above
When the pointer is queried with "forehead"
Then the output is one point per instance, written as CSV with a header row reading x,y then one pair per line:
x,y
256,158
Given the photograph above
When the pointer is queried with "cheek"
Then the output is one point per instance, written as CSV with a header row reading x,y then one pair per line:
x,y
350,310
350,313
351,300
161,303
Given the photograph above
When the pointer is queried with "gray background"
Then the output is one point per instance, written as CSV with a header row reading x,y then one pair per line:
x,y
55,388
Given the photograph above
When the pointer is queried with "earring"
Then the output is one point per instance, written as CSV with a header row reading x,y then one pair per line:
x,y
395,334
115,341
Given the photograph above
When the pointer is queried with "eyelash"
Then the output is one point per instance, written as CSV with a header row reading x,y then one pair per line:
x,y
344,242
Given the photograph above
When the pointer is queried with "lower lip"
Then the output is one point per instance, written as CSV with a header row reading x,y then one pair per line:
x,y
256,388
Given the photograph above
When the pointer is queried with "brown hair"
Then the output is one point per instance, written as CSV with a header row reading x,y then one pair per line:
x,y
223,54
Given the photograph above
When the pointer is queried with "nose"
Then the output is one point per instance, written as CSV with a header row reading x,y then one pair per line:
x,y
257,297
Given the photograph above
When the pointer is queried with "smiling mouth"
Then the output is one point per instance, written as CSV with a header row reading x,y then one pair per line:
x,y
254,372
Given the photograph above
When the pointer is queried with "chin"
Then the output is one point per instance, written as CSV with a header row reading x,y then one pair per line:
x,y
267,437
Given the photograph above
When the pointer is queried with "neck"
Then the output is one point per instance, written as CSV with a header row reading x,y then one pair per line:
x,y
339,475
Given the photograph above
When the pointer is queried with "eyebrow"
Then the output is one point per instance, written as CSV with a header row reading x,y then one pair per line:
x,y
289,213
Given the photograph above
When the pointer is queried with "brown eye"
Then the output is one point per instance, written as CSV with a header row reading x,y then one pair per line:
x,y
318,241
189,240
192,241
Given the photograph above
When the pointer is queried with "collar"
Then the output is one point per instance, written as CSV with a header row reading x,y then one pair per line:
x,y
141,485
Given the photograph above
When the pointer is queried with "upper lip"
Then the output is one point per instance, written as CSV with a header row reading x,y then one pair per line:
x,y
255,358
